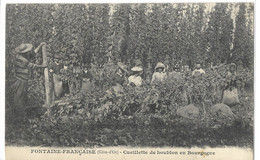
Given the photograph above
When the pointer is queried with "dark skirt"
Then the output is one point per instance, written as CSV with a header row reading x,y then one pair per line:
x,y
19,89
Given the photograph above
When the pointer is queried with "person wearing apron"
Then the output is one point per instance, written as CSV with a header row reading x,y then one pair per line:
x,y
55,68
230,93
86,77
21,76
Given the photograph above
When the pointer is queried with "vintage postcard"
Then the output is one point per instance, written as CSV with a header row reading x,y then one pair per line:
x,y
129,81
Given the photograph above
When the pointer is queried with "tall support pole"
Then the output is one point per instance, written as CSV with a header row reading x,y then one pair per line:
x,y
46,78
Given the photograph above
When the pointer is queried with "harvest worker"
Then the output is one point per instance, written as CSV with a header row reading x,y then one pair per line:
x,y
198,71
232,74
177,75
86,77
65,71
186,69
55,68
230,95
118,78
21,70
135,79
159,75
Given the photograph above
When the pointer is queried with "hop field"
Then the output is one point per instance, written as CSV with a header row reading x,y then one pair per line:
x,y
145,116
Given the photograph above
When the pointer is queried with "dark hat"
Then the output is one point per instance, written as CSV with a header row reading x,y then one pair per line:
x,y
24,48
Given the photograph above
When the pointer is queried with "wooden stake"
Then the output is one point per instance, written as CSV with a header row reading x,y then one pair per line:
x,y
46,77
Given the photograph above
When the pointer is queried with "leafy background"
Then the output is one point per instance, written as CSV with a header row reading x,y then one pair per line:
x,y
100,35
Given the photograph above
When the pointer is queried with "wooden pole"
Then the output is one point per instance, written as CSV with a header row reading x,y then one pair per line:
x,y
46,77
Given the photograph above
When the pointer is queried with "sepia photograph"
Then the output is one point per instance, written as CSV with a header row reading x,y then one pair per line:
x,y
134,75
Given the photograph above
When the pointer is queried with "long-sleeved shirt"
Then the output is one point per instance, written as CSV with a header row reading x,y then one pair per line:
x,y
137,80
21,67
158,77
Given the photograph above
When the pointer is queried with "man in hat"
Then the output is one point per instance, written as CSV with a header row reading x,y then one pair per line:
x,y
55,68
198,71
118,78
21,69
135,79
159,75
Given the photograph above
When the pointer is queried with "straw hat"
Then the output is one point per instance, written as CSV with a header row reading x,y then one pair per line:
x,y
136,69
24,48
159,65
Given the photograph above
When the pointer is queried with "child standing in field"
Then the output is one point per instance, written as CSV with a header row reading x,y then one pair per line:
x,y
159,75
65,71
55,68
86,78
232,75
